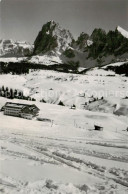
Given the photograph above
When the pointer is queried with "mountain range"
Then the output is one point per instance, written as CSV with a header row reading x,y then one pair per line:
x,y
11,48
55,45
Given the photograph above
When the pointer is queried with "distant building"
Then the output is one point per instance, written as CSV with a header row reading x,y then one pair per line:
x,y
98,128
20,110
73,106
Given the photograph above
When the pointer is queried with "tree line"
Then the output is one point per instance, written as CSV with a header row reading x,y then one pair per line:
x,y
13,93
19,68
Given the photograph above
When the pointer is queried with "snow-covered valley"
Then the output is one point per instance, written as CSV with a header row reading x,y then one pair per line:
x,y
66,155
97,90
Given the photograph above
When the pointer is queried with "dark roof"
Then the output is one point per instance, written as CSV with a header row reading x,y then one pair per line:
x,y
97,127
19,106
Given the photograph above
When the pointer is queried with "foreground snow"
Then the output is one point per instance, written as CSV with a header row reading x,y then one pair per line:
x,y
66,157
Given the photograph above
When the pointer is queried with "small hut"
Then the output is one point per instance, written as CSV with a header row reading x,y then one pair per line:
x,y
73,106
98,128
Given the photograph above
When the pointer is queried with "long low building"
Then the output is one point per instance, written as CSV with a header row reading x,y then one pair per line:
x,y
20,110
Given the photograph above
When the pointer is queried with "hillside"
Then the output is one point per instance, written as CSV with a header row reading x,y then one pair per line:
x,y
89,91
68,156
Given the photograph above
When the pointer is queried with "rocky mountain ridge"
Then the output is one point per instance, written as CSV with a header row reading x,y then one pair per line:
x,y
53,42
99,48
11,48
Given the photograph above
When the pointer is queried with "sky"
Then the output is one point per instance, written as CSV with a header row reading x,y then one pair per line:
x,y
23,19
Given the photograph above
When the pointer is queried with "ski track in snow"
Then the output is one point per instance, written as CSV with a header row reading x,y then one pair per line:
x,y
42,150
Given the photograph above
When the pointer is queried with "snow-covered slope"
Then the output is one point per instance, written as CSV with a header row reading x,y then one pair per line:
x,y
115,64
65,157
122,31
11,48
85,91
45,60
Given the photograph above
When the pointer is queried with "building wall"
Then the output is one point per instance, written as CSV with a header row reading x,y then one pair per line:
x,y
12,112
25,112
26,116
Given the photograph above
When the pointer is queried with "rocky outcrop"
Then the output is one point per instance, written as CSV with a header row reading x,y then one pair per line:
x,y
52,38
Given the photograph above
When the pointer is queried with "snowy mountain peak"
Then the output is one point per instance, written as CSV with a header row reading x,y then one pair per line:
x,y
53,38
11,48
122,31
53,22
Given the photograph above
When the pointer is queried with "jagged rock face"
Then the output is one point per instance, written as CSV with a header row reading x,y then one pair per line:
x,y
98,49
52,38
82,42
112,43
10,48
98,35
